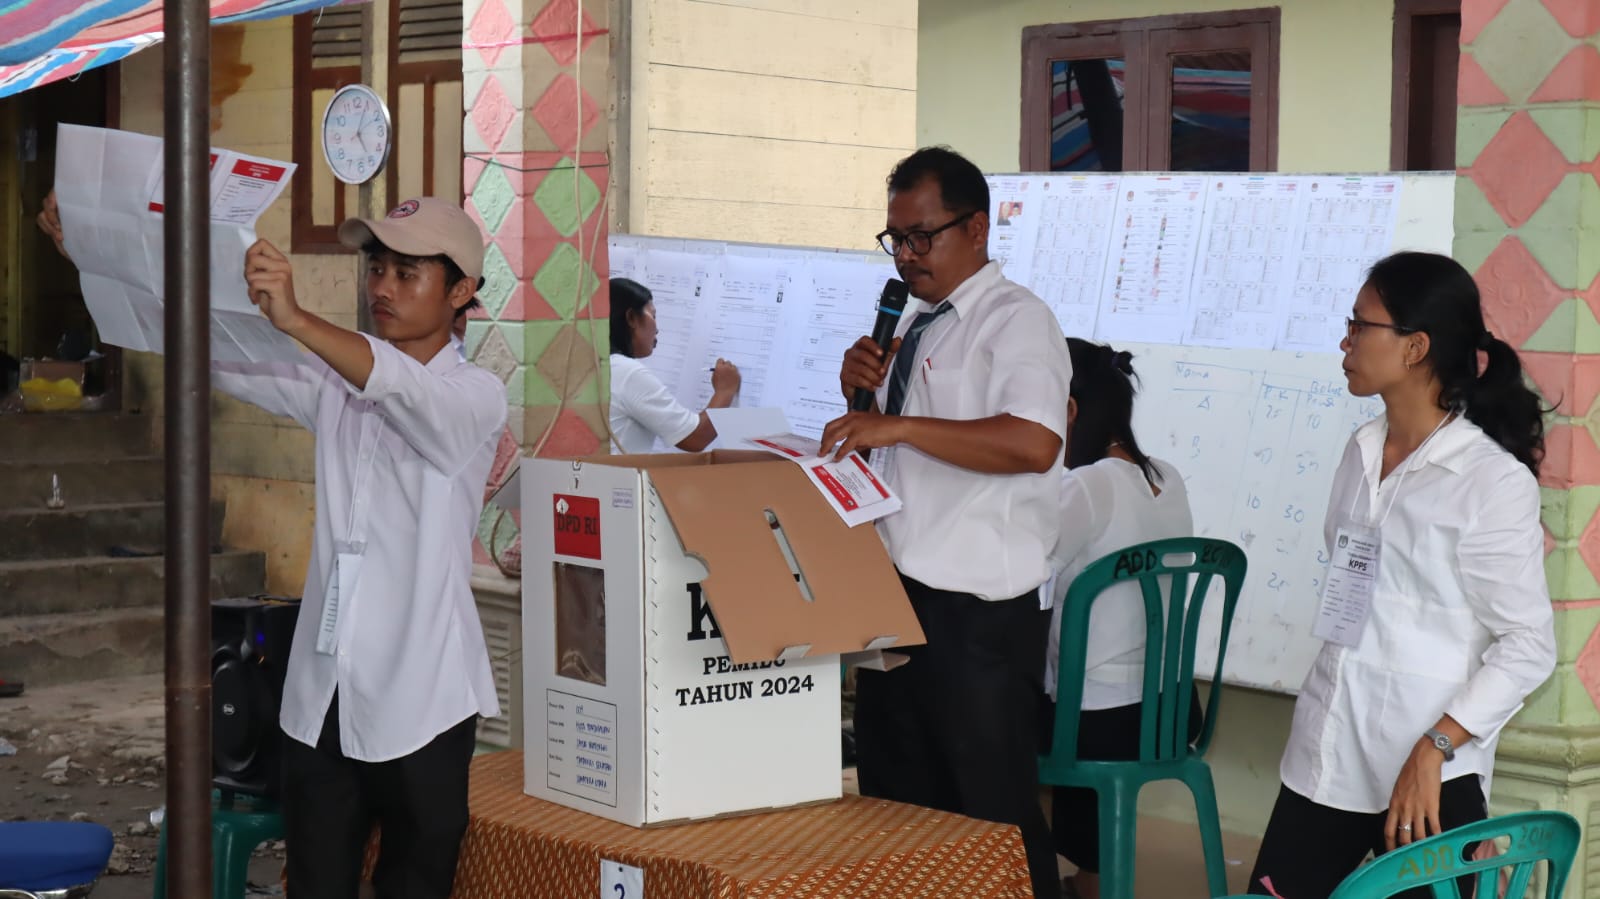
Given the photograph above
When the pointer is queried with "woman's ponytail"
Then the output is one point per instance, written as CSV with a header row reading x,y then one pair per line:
x,y
1433,294
1501,404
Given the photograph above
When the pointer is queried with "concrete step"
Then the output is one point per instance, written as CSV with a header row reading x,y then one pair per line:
x,y
89,530
62,436
60,586
55,649
132,479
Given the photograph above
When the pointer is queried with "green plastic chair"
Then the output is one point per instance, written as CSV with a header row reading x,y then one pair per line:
x,y
1183,568
235,834
1437,861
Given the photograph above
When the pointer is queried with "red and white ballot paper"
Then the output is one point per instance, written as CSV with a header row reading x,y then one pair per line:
x,y
852,488
112,197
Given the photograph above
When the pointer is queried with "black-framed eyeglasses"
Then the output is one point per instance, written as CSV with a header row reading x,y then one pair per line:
x,y
920,242
1354,326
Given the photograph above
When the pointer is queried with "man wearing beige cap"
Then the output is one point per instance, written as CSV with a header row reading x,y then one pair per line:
x,y
388,672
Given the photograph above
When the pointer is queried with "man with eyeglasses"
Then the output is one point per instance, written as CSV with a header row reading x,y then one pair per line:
x,y
970,422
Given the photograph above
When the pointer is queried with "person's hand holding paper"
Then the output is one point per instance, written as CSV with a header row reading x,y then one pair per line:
x,y
270,278
106,216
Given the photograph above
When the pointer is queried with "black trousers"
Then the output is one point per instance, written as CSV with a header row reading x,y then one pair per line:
x,y
330,803
955,727
1309,848
1106,735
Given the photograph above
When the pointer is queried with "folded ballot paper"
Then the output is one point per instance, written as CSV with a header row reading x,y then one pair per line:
x,y
110,190
852,488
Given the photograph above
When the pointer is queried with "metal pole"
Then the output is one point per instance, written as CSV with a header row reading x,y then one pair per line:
x,y
187,82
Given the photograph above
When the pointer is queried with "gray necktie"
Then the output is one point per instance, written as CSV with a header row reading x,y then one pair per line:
x,y
906,358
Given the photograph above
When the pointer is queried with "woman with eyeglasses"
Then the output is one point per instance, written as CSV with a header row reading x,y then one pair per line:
x,y
642,408
1434,608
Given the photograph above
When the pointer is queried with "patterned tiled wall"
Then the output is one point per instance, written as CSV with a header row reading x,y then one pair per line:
x,y
1528,224
536,172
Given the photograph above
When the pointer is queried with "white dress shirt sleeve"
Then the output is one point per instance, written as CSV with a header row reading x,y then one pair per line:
x,y
642,397
1501,560
1078,528
446,417
1032,370
282,388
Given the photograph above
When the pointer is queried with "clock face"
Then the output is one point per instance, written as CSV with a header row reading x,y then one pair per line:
x,y
355,134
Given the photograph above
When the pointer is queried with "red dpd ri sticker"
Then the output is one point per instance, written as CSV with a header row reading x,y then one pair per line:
x,y
577,526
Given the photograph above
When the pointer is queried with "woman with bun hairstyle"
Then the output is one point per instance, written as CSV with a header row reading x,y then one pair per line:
x,y
1112,496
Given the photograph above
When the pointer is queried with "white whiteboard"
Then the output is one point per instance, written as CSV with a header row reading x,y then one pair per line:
x,y
1257,435
1256,432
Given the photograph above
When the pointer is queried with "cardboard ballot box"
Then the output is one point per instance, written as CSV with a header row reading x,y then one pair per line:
x,y
682,621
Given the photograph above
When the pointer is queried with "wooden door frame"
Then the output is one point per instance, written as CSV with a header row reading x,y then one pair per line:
x,y
1406,12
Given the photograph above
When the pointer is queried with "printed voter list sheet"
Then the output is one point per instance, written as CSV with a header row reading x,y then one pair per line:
x,y
112,197
1346,223
1154,235
1074,215
852,488
1243,270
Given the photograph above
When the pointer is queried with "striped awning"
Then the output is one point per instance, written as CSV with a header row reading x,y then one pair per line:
x,y
46,40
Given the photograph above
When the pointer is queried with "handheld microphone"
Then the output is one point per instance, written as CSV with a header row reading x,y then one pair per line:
x,y
890,305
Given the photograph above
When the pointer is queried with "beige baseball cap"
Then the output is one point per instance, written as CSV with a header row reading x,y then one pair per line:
x,y
425,226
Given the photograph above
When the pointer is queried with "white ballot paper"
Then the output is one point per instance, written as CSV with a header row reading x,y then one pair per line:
x,y
735,425
110,190
850,487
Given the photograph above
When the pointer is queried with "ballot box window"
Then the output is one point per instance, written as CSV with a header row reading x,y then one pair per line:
x,y
580,593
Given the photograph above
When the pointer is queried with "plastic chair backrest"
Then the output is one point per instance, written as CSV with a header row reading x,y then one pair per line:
x,y
1175,576
1437,861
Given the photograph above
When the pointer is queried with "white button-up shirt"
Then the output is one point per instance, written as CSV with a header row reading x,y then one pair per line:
x,y
999,351
642,409
1461,622
404,464
1107,507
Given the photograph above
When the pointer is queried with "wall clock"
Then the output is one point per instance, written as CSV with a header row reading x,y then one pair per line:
x,y
356,134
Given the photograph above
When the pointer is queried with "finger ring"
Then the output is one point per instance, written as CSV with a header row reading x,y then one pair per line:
x,y
1406,828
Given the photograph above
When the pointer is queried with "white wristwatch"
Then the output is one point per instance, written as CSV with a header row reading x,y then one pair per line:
x,y
1442,743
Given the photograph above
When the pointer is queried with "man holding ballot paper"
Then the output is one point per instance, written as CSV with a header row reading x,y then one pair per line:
x,y
389,670
969,421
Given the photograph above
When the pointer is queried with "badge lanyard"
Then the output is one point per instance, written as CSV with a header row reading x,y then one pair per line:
x,y
1352,576
348,552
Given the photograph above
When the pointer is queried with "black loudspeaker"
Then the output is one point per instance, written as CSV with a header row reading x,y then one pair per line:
x,y
250,639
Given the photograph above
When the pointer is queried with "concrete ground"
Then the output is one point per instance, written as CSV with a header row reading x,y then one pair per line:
x,y
94,751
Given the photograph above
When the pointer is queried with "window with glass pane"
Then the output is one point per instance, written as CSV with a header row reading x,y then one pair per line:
x,y
1186,92
1211,112
1086,100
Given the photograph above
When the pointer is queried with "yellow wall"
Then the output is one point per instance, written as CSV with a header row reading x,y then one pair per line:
x,y
261,465
772,121
1335,58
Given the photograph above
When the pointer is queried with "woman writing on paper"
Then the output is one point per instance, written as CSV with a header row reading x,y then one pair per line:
x,y
1434,608
642,408
1112,496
